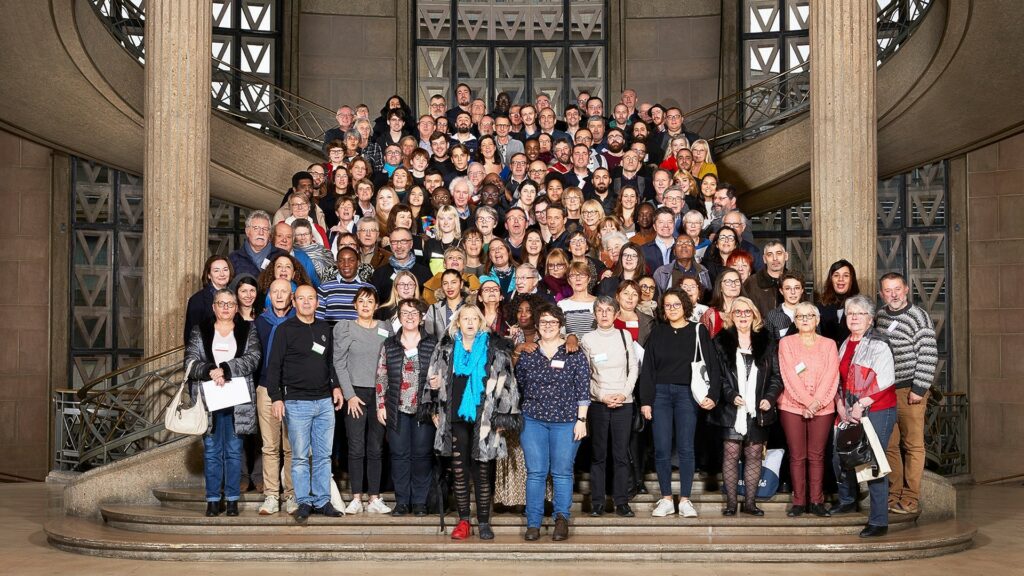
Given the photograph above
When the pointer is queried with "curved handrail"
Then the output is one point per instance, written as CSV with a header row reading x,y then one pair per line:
x,y
247,98
749,113
85,390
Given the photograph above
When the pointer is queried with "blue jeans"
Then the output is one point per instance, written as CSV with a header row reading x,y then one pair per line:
x,y
547,447
222,458
674,410
412,450
878,490
311,428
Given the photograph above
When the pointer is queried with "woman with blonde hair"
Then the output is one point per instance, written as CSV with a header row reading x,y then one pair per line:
x,y
447,232
746,411
702,162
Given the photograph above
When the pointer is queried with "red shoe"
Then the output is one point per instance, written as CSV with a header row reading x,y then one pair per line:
x,y
462,530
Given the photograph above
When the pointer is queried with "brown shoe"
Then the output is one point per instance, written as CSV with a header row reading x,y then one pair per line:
x,y
532,534
561,531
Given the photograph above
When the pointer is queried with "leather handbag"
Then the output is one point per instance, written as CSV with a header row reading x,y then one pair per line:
x,y
853,446
700,381
180,419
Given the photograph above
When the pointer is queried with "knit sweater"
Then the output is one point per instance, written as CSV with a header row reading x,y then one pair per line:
x,y
912,339
613,363
809,374
356,351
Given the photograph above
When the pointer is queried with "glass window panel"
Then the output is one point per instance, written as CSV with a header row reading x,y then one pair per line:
x,y
586,69
587,20
761,60
223,50
797,51
474,20
258,56
433,19
93,202
223,14
472,68
259,15
798,13
761,16
767,222
890,204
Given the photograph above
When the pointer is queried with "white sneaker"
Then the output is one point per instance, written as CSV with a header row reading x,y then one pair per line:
x,y
290,505
686,509
377,506
271,505
354,507
664,508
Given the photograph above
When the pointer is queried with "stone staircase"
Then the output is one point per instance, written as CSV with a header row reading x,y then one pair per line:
x,y
177,529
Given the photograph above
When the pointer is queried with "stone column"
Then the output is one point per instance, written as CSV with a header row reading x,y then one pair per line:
x,y
844,162
177,163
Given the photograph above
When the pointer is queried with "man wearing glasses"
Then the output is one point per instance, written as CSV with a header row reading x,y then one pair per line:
x,y
256,251
402,259
507,145
345,118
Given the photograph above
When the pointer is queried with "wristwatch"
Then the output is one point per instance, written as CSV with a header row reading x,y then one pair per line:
x,y
581,419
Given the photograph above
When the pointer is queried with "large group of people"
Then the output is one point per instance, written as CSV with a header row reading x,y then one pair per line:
x,y
476,295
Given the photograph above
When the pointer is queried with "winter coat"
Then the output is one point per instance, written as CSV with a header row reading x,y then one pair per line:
x,y
499,407
769,382
245,364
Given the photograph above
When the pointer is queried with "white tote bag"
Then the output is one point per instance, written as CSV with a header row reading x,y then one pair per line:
x,y
700,382
864,471
191,421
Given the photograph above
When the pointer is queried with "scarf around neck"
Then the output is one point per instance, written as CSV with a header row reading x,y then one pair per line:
x,y
473,365
274,320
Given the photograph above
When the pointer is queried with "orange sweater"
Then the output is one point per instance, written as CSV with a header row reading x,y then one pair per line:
x,y
819,379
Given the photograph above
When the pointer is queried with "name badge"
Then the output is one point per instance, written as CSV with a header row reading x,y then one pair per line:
x,y
418,252
393,274
558,364
396,324
220,349
382,333
318,348
266,262
632,324
436,255
800,367
783,331
892,327
411,353
600,358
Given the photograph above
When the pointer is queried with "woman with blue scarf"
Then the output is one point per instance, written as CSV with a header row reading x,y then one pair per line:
x,y
474,399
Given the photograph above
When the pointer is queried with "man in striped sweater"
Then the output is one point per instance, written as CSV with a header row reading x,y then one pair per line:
x,y
912,339
337,296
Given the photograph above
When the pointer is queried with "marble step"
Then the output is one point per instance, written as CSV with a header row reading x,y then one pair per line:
x,y
706,503
177,521
291,543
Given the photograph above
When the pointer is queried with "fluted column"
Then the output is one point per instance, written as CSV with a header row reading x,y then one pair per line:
x,y
844,163
177,162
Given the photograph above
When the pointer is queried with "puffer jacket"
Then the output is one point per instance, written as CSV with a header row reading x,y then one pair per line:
x,y
245,364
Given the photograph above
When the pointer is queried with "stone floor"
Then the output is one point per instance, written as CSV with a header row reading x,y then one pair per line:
x,y
997,511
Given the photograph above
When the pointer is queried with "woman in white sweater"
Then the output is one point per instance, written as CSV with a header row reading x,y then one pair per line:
x,y
613,372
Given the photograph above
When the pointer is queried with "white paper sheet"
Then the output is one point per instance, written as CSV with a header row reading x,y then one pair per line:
x,y
232,393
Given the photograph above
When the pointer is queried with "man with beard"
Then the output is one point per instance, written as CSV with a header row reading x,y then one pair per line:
x,y
599,188
629,175
439,158
463,99
620,117
464,131
674,127
562,152
437,106
614,149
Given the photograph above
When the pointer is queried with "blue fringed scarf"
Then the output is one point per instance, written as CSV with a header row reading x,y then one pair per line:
x,y
472,364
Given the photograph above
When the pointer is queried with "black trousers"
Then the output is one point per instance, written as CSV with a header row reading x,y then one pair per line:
x,y
609,428
365,445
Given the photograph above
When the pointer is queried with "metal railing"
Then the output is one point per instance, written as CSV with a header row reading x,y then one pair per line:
x,y
946,437
760,108
247,98
116,415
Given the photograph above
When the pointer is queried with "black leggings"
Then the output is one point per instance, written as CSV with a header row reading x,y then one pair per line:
x,y
365,445
462,460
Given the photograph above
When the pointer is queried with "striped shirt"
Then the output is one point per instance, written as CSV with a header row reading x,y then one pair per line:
x,y
914,350
337,299
579,316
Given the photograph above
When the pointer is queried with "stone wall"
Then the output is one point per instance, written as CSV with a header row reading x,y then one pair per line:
x,y
347,52
25,192
995,177
671,51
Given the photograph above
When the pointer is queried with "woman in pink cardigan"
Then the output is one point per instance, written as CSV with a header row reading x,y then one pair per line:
x,y
809,364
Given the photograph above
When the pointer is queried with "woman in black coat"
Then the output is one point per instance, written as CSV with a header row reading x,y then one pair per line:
x,y
751,385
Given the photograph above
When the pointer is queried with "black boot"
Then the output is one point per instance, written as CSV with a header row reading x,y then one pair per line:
x,y
232,508
213,508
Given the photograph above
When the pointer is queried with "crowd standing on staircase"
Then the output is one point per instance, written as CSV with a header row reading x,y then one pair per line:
x,y
466,297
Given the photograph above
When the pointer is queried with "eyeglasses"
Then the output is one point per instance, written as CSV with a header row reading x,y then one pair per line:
x,y
726,239
577,275
491,290
673,306
805,317
409,313
742,313
858,314
731,282
402,241
548,323
629,256
259,228
647,288
224,305
590,212
556,265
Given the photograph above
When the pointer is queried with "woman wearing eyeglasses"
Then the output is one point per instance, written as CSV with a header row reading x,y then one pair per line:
x,y
750,388
809,364
727,289
666,398
219,350
717,255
